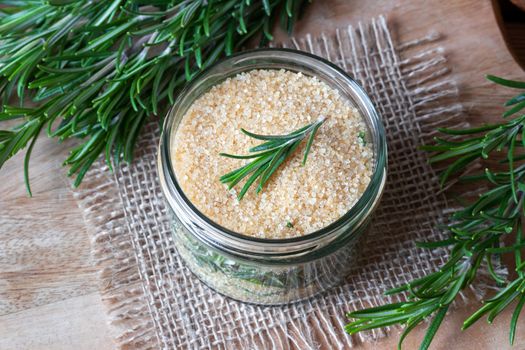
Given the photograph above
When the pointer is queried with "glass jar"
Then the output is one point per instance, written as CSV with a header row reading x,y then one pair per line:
x,y
270,271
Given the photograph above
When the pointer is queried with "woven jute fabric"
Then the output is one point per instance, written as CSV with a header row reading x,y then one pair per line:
x,y
155,301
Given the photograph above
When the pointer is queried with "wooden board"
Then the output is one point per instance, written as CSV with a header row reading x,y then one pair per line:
x,y
48,293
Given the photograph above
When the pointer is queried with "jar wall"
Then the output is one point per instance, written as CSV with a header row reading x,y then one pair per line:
x,y
260,271
260,282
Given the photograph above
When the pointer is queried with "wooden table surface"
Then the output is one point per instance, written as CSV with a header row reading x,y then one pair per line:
x,y
48,286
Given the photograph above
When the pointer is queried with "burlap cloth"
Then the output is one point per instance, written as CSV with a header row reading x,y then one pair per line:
x,y
156,302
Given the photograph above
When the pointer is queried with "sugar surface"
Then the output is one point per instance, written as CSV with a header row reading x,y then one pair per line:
x,y
335,176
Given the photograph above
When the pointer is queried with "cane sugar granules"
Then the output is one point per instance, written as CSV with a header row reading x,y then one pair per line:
x,y
297,200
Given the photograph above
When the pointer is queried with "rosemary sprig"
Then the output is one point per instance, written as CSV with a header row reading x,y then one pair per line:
x,y
232,269
477,234
268,156
97,70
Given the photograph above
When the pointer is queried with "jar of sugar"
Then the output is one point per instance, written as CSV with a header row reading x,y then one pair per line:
x,y
297,235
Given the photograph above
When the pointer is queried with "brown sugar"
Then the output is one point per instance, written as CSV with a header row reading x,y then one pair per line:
x,y
297,200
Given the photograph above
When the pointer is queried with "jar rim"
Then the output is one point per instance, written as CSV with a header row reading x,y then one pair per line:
x,y
373,189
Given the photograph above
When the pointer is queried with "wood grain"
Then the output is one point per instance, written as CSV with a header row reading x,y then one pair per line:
x,y
45,252
516,37
78,323
48,292
519,3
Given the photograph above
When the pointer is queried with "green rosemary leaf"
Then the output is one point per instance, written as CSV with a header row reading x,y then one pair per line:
x,y
493,273
17,111
108,36
477,315
79,153
247,156
244,171
432,329
501,305
61,2
23,19
104,114
505,291
14,142
187,68
510,157
378,311
517,252
506,82
451,293
34,137
206,22
224,178
273,167
305,129
468,131
456,166
433,148
289,4
359,326
250,181
198,57
474,148
108,14
52,70
310,141
266,30
517,107
277,158
214,55
273,144
514,319
267,8
132,136
488,198
457,144
110,143
514,100
275,138
242,24
190,12
51,81
228,46
78,56
268,156
411,324
413,283
87,164
492,144
490,176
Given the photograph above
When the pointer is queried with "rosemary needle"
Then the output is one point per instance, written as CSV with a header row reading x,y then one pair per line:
x,y
268,156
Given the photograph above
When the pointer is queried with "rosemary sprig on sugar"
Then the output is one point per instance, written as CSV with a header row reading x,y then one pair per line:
x,y
268,156
478,233
98,70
